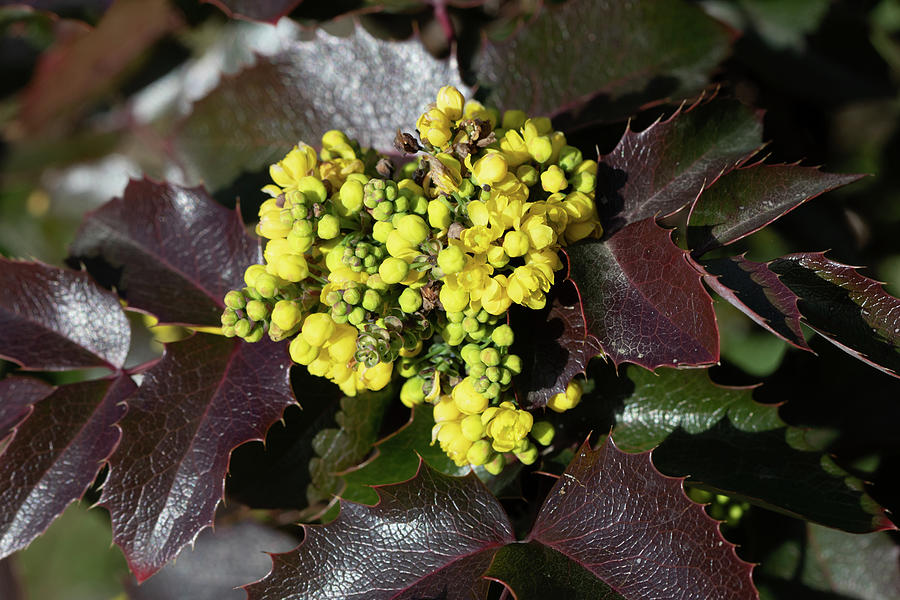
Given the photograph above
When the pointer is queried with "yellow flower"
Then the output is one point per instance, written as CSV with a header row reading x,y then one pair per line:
x,y
374,378
527,286
506,425
477,239
490,168
450,101
494,298
434,127
317,328
468,401
299,162
553,179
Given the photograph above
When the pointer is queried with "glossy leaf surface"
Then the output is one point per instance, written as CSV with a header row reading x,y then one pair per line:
x,y
429,537
56,454
205,397
656,172
726,441
647,51
17,395
162,242
757,292
642,299
747,199
849,309
614,515
55,319
255,117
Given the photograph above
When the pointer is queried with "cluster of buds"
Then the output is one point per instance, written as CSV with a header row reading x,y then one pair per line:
x,y
375,272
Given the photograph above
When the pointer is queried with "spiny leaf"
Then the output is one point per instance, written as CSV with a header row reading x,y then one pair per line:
x,y
276,473
256,10
17,395
207,395
642,299
554,346
727,442
56,454
217,564
849,309
429,537
842,565
56,319
627,53
757,292
396,458
339,449
162,242
658,171
749,198
362,85
614,515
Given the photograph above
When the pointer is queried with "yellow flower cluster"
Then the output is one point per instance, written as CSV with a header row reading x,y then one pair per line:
x,y
367,265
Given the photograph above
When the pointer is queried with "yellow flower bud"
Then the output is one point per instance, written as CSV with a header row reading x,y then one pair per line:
x,y
393,270
479,452
350,198
313,189
286,314
438,215
490,168
445,410
302,352
451,102
467,400
451,260
317,328
413,228
543,432
566,400
329,227
374,378
341,345
291,267
478,213
513,119
472,428
434,127
497,257
252,272
454,298
553,179
540,148
515,243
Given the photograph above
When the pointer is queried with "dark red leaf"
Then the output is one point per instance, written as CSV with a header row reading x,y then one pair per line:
x,y
747,199
430,537
658,171
56,319
170,251
56,454
80,68
850,310
256,10
17,395
643,300
207,395
628,53
757,292
554,346
615,515
362,85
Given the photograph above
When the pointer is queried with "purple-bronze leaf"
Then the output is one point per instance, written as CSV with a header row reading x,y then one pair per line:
x,y
55,319
170,251
206,396
850,310
757,292
359,84
554,349
256,10
55,455
749,198
430,537
643,300
627,53
615,515
17,396
656,172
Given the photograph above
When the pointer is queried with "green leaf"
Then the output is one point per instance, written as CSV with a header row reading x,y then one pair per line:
x,y
728,442
847,308
747,199
336,450
397,457
625,53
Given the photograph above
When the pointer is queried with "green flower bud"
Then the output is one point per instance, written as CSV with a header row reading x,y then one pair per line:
x,y
493,390
299,243
493,374
451,260
513,363
495,465
229,318
383,211
528,455
569,158
234,299
584,182
352,296
356,316
372,301
528,175
252,272
503,336
313,189
513,119
505,377
479,453
471,354
453,334
255,335
266,285
540,148
228,331
543,432
243,328
411,393
477,369
413,228
329,227
490,357
410,300
472,428
466,189
393,270
350,198
257,310
381,230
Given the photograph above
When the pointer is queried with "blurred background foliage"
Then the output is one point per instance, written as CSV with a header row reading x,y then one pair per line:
x,y
94,92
